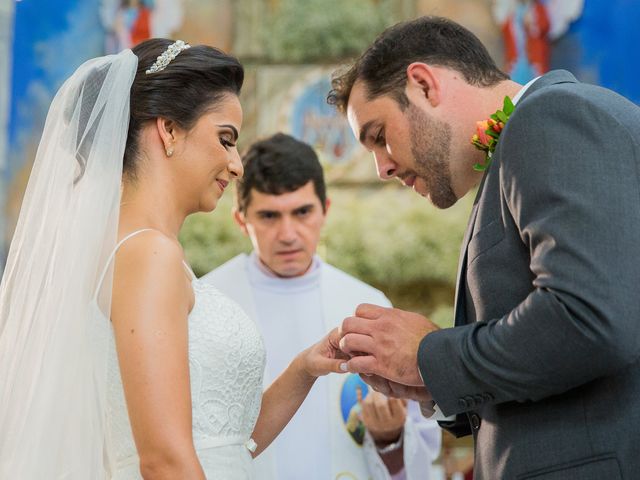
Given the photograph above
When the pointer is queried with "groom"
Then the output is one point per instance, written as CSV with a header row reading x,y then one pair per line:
x,y
543,363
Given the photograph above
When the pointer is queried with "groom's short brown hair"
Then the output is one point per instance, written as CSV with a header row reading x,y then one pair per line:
x,y
431,40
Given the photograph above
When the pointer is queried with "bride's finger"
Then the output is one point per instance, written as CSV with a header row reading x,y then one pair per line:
x,y
337,365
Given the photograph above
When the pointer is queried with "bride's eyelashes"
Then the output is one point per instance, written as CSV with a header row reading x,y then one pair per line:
x,y
228,135
226,143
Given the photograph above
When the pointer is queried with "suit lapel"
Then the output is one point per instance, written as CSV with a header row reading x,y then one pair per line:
x,y
460,301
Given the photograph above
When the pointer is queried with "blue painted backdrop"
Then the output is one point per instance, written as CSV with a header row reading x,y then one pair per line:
x,y
51,38
602,46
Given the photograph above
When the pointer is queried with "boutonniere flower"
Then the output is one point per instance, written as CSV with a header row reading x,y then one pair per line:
x,y
488,132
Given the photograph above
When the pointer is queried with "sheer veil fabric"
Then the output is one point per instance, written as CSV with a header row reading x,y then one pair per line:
x,y
53,349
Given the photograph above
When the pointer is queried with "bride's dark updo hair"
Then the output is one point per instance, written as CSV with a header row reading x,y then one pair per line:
x,y
190,86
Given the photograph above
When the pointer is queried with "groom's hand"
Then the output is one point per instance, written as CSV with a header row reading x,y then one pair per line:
x,y
397,390
384,342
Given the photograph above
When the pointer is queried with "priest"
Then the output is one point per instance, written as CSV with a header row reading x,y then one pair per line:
x,y
342,430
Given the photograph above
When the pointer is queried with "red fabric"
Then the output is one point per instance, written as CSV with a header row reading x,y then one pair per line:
x,y
141,29
538,50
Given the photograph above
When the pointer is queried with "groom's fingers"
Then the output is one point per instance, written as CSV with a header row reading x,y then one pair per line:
x,y
427,408
354,343
356,325
378,384
369,311
419,394
397,390
362,364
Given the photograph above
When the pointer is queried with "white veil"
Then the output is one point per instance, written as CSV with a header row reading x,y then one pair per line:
x,y
53,341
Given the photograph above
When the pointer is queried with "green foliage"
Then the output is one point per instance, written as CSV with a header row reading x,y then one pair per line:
x,y
391,236
210,239
442,316
322,30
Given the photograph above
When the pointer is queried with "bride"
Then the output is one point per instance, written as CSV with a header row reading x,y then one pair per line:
x,y
171,386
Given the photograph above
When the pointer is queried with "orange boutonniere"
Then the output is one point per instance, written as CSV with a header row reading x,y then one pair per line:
x,y
488,131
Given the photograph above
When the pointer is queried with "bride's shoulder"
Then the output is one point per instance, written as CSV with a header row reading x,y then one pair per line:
x,y
149,242
149,256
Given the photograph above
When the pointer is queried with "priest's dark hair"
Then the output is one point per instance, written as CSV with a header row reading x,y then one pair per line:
x,y
279,164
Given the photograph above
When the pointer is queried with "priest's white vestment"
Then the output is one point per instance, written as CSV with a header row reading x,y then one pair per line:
x,y
325,439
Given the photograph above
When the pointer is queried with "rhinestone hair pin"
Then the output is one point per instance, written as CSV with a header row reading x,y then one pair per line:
x,y
167,56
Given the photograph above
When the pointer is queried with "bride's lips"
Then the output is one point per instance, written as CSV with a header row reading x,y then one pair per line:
x,y
222,184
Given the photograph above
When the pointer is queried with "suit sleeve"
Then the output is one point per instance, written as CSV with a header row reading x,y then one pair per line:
x,y
569,178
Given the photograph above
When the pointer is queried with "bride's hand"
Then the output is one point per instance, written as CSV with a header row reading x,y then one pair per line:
x,y
324,357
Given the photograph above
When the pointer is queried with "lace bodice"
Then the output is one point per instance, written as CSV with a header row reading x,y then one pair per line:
x,y
226,360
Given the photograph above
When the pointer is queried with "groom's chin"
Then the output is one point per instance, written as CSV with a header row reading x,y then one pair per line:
x,y
442,200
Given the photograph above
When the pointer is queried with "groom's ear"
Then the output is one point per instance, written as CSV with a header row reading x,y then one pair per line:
x,y
238,216
423,84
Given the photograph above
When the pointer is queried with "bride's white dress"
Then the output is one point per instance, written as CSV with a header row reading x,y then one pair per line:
x,y
226,361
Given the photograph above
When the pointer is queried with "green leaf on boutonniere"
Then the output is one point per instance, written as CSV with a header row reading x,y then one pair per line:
x,y
492,133
508,107
488,132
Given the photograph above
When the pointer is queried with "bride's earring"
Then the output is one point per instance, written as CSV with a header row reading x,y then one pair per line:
x,y
169,151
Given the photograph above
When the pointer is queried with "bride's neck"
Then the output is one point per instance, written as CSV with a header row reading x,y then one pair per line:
x,y
148,205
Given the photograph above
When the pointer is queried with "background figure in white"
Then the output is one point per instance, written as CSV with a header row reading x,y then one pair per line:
x,y
295,297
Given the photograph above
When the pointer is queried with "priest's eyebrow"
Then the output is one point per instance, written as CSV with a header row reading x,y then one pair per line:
x,y
277,213
304,208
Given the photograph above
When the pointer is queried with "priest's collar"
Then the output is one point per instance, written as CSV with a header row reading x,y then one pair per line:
x,y
262,276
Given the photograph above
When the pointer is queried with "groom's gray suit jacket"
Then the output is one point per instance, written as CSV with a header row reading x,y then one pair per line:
x,y
543,364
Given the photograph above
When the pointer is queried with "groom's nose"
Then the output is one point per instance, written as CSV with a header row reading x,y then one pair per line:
x,y
385,166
